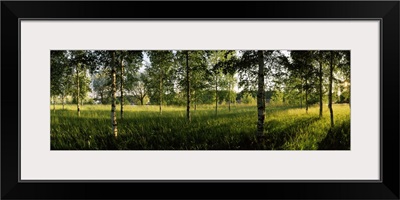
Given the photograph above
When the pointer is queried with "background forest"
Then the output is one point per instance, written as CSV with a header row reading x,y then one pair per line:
x,y
200,100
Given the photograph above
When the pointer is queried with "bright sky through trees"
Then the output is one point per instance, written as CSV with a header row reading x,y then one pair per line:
x,y
236,87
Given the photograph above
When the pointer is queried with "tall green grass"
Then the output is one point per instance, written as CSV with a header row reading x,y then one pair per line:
x,y
144,128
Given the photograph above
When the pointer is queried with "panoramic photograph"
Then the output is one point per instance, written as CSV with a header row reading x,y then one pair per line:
x,y
200,99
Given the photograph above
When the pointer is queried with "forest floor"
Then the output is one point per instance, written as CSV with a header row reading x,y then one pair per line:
x,y
143,128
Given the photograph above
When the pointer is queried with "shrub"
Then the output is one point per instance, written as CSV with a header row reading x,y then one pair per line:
x,y
248,99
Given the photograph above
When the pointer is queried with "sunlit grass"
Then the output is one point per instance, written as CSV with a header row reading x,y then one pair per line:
x,y
144,128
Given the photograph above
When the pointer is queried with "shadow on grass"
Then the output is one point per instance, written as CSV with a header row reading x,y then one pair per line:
x,y
166,133
159,137
278,133
165,136
337,138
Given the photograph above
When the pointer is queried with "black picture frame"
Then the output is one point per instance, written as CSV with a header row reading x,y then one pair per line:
x,y
386,11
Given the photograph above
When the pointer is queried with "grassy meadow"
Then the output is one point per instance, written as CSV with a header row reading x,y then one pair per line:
x,y
143,128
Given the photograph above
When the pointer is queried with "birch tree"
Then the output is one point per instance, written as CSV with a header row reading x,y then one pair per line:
x,y
59,75
113,95
160,68
260,94
129,63
80,61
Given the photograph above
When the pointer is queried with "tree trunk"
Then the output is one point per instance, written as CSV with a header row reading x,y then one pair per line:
x,y
195,100
101,98
141,101
349,96
122,89
330,88
77,90
114,90
229,96
320,90
301,95
306,97
161,91
187,87
63,98
260,95
301,101
216,94
54,104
